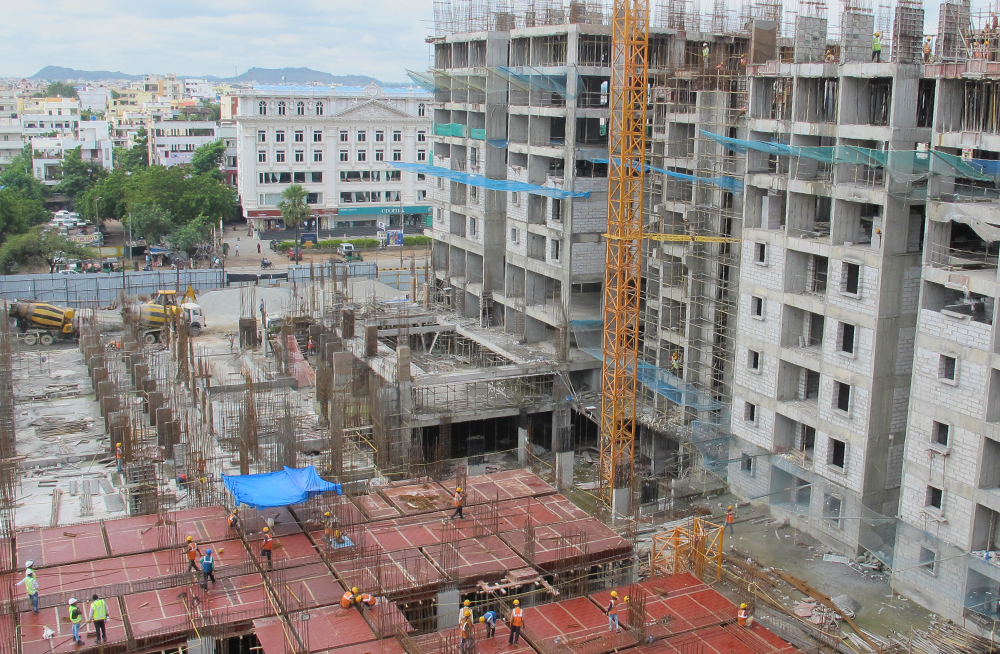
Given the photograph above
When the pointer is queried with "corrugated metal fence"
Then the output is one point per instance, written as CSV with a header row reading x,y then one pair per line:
x,y
101,289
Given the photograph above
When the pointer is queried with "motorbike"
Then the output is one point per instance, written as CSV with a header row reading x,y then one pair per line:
x,y
266,265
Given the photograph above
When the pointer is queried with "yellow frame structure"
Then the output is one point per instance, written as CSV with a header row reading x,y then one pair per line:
x,y
694,546
626,176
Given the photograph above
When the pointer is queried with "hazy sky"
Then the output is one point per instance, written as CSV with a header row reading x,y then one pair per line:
x,y
215,37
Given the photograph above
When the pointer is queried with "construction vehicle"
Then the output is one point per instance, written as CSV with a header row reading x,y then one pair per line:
x,y
41,322
155,316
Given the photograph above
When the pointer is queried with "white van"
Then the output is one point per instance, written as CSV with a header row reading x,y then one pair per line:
x,y
345,249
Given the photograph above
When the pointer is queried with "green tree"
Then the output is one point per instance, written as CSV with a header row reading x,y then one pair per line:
x,y
134,158
79,175
149,222
105,199
216,110
207,159
38,247
294,210
17,175
19,212
57,90
189,236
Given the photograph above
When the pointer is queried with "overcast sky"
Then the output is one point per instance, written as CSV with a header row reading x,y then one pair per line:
x,y
379,38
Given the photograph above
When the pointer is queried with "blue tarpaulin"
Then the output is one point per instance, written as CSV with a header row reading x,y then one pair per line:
x,y
271,489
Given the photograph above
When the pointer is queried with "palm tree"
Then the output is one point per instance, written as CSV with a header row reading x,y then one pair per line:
x,y
294,210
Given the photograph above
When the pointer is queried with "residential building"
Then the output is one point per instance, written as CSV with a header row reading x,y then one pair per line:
x,y
43,116
11,131
94,99
93,138
199,89
230,170
172,139
163,87
340,144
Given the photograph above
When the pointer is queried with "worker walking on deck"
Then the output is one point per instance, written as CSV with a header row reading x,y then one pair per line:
x,y
31,588
613,607
347,599
268,546
192,554
98,615
927,50
743,617
207,569
458,500
877,48
465,629
490,620
119,455
730,518
75,619
516,622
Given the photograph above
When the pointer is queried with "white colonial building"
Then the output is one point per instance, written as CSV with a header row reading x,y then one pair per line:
x,y
339,143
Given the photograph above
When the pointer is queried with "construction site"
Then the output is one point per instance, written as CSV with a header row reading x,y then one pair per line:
x,y
706,322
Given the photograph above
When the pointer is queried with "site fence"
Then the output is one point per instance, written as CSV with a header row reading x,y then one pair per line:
x,y
102,289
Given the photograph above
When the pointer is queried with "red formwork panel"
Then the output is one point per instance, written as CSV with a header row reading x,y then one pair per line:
x,y
439,642
409,532
142,533
282,521
57,619
577,616
587,540
486,558
204,525
296,549
666,612
506,485
401,571
547,510
376,506
327,628
425,497
719,639
307,586
75,577
47,547
384,646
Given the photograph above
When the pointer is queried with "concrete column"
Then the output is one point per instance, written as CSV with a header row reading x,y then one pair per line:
x,y
522,438
476,462
155,402
447,605
619,503
100,376
140,372
163,416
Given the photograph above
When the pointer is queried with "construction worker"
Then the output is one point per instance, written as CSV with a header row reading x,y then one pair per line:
x,y
366,600
268,546
829,56
706,54
347,599
927,50
877,48
338,538
466,605
516,622
458,501
31,588
207,569
490,620
675,363
192,554
612,611
328,528
28,570
743,617
730,517
465,629
233,520
75,619
119,455
98,614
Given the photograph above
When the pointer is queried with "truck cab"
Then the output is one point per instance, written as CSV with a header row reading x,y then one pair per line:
x,y
194,317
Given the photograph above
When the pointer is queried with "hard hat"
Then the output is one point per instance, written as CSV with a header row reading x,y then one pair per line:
x,y
266,529
614,593
235,511
72,601
190,539
482,619
743,605
355,590
878,33
516,602
29,564
458,490
336,532
467,612
467,603
730,507
203,480
327,514
208,551
626,599
118,445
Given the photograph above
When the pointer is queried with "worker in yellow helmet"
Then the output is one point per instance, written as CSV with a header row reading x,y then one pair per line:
x,y
465,630
877,48
743,616
516,622
347,599
612,611
458,500
730,518
192,554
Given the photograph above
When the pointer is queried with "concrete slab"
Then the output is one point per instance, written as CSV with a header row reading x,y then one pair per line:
x,y
505,485
47,547
486,558
308,587
205,525
327,628
376,506
57,619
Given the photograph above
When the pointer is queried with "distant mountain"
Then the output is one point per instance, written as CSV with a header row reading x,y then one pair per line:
x,y
257,75
58,73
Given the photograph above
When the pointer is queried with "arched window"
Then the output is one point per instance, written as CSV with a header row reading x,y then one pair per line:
x,y
262,108
281,108
300,108
421,110
319,108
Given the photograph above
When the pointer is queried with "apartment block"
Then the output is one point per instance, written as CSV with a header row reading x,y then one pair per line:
x,y
340,144
93,137
173,138
45,116
11,131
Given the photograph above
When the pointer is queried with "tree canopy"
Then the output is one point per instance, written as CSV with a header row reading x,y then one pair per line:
x,y
57,90
150,222
17,176
79,175
189,236
134,158
294,210
37,247
208,158
22,197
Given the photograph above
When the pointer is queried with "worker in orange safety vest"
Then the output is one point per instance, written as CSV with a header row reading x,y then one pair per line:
x,y
347,599
743,617
365,600
268,545
457,500
516,622
730,517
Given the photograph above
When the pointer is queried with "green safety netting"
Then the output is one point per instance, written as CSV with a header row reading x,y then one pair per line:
x,y
449,129
902,165
478,134
722,181
436,79
528,78
492,184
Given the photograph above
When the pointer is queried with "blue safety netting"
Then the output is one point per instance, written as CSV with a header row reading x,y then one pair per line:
x,y
271,489
527,78
722,181
492,184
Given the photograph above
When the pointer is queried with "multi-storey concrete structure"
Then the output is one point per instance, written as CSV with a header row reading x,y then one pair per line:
x,y
339,143
47,115
92,137
11,131
228,133
173,139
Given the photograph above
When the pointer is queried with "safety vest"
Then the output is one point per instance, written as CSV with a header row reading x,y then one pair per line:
x,y
346,600
613,606
207,563
741,617
517,617
458,500
31,585
268,542
75,616
368,598
877,44
98,610
729,517
466,626
192,551
118,453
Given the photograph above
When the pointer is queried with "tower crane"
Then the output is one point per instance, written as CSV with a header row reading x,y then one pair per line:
x,y
622,277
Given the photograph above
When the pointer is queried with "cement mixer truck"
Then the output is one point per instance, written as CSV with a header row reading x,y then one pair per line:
x,y
156,315
42,323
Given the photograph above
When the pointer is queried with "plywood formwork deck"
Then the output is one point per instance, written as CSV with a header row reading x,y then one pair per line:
x,y
48,547
414,499
327,628
57,619
376,507
506,485
438,642
486,558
